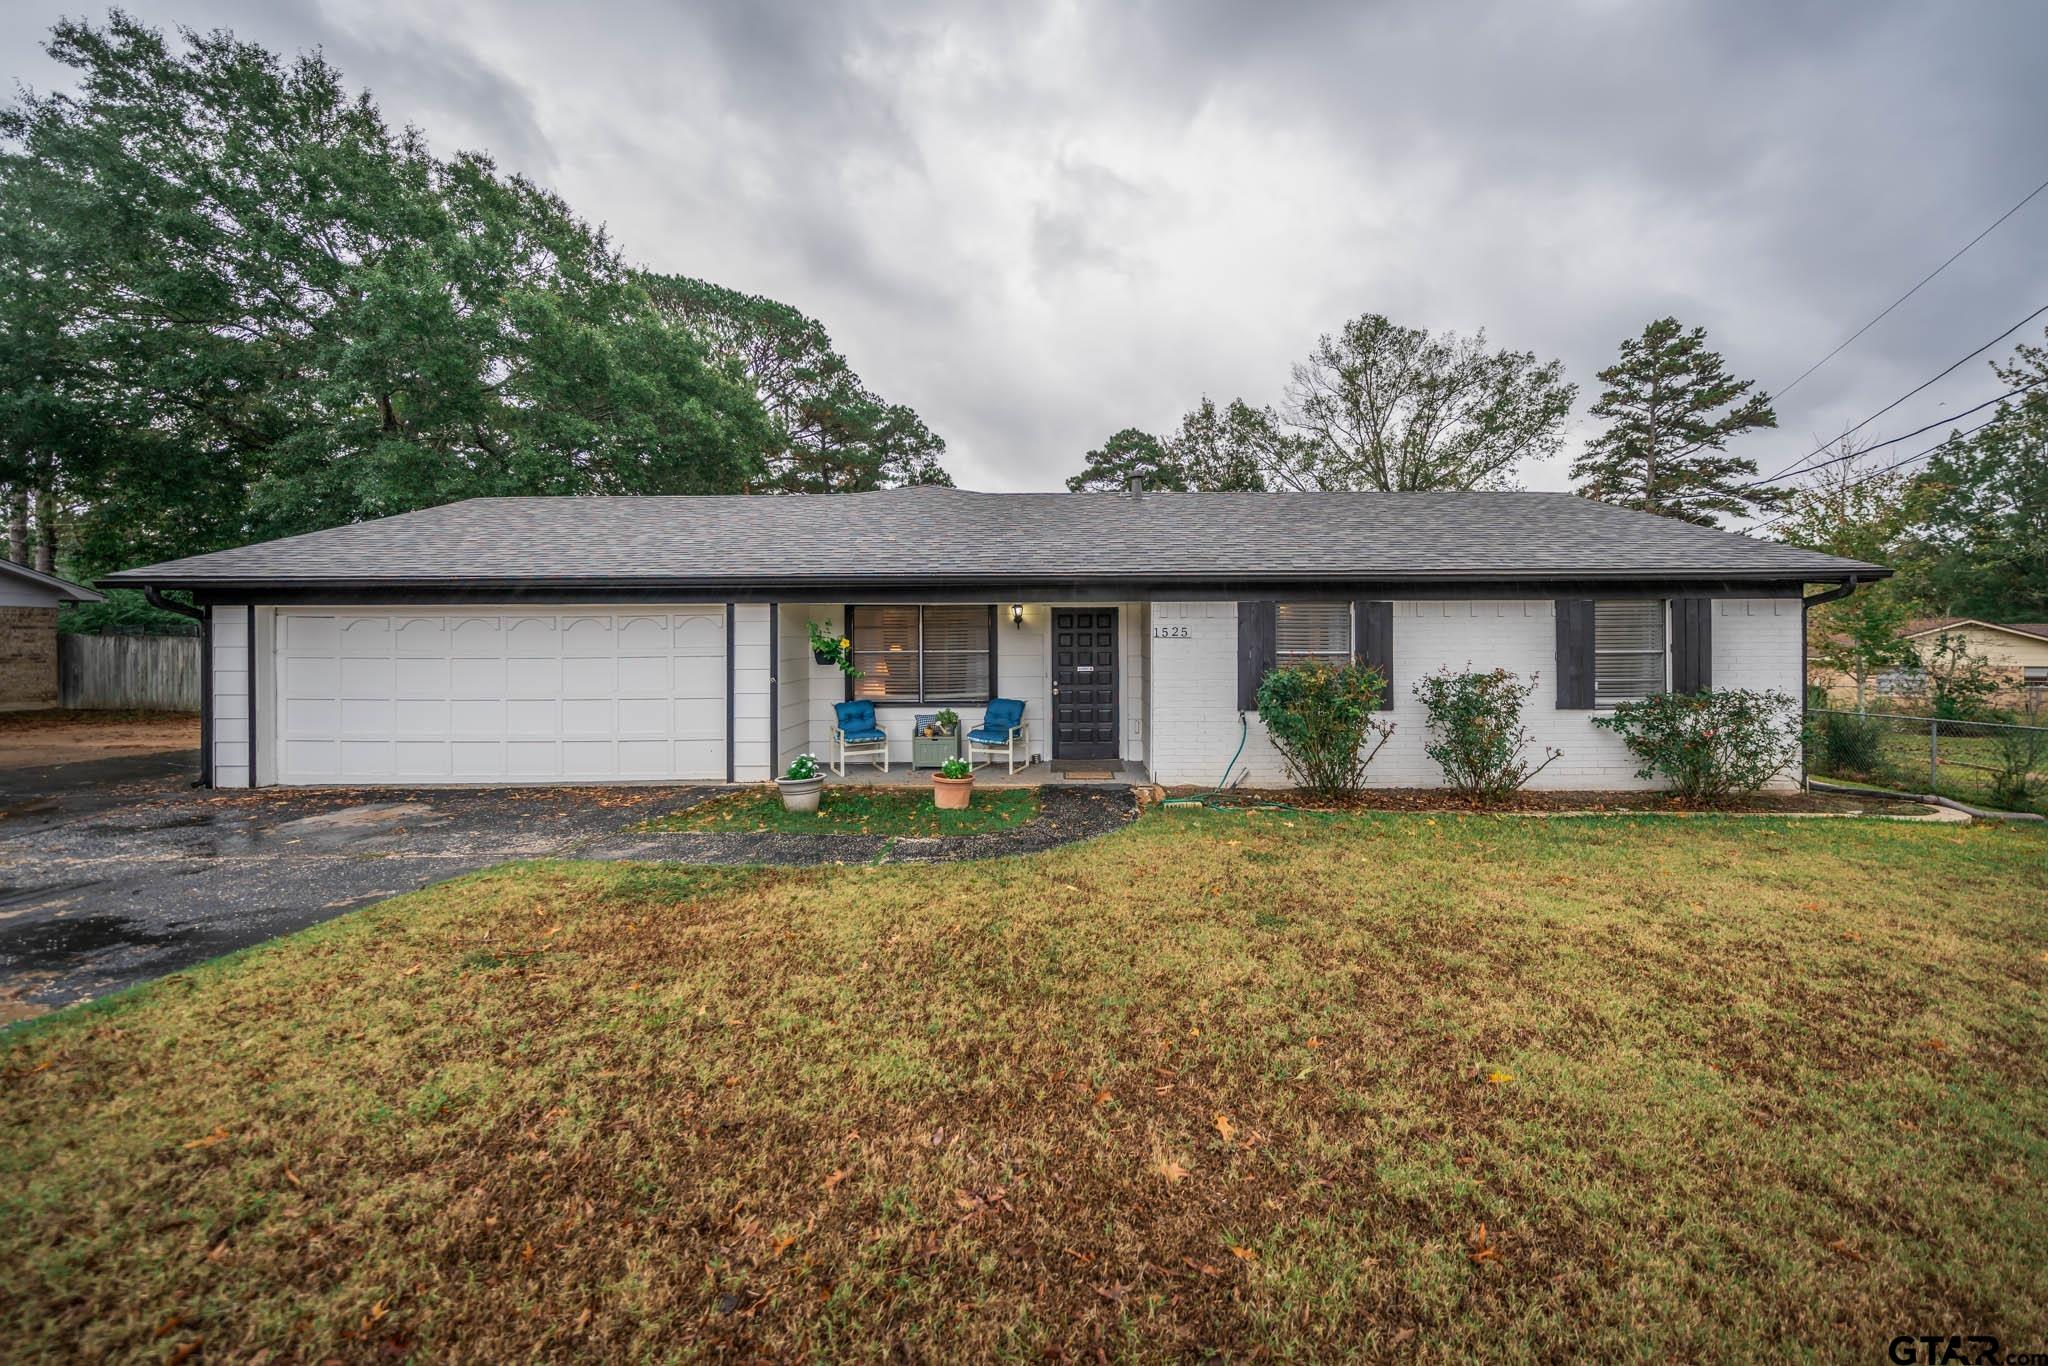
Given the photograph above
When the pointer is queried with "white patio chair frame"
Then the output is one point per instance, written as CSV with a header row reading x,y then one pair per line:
x,y
870,751
1020,737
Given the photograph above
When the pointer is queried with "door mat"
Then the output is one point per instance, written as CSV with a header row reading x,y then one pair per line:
x,y
1086,772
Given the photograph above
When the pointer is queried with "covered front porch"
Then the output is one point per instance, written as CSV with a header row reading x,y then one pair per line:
x,y
1080,669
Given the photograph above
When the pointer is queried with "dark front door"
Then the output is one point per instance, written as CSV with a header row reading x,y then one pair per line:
x,y
1084,683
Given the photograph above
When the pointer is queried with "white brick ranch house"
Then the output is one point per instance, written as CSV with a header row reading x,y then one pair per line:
x,y
538,640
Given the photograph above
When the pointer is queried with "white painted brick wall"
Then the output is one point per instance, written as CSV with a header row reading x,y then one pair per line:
x,y
1194,687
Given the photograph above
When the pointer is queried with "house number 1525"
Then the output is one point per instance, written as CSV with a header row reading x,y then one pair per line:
x,y
1169,633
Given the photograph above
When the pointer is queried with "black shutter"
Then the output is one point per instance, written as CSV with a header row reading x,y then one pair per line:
x,y
1575,653
1372,643
1256,652
1692,644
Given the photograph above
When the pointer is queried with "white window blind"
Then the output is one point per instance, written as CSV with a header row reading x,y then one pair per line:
x,y
929,654
955,654
1628,650
885,651
1303,631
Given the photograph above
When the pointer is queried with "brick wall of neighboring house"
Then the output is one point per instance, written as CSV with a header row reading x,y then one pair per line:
x,y
1194,687
28,657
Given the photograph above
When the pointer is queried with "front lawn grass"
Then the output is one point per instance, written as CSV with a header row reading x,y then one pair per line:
x,y
901,811
1238,1083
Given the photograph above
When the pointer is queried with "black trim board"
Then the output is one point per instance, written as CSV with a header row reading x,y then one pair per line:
x,y
252,694
206,707
732,613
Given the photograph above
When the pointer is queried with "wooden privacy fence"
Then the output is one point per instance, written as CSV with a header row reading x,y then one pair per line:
x,y
148,673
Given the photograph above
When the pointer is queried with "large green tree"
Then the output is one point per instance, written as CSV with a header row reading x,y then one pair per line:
x,y
1858,510
1382,406
1981,506
1672,407
238,305
1127,455
831,434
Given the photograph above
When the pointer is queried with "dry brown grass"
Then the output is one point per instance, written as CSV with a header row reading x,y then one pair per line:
x,y
1249,1083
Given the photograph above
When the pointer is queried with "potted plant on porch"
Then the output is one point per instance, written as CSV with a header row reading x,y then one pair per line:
x,y
803,784
953,785
830,648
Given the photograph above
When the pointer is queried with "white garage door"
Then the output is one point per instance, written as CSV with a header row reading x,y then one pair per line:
x,y
507,695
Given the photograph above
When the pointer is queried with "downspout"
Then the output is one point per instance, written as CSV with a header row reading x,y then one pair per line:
x,y
155,598
1835,594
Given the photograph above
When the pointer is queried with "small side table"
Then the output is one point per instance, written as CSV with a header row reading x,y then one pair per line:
x,y
932,751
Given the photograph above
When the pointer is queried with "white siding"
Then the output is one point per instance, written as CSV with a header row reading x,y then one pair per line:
x,y
1194,681
793,683
230,627
753,758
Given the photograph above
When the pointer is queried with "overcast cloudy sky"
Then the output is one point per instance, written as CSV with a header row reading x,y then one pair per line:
x,y
1037,223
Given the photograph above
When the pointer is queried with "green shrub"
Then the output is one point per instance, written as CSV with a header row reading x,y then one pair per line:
x,y
1320,717
1476,732
1710,745
2020,754
1848,744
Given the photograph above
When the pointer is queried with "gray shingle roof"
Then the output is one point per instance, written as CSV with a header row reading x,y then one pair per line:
x,y
914,534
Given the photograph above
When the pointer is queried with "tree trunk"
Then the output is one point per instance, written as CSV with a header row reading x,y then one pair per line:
x,y
46,534
17,525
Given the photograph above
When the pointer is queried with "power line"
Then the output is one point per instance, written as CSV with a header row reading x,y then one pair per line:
x,y
1893,468
1911,292
1895,440
1950,370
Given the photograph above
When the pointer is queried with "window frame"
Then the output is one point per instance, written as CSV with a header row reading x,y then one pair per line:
x,y
921,700
1662,652
1284,659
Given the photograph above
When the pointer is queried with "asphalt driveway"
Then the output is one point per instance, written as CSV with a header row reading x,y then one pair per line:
x,y
116,871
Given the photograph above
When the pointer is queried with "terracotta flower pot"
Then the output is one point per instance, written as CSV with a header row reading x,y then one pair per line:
x,y
802,794
951,794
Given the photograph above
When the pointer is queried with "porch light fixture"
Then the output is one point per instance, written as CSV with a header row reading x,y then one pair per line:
x,y
1017,615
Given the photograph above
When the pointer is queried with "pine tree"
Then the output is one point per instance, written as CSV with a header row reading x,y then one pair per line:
x,y
1671,406
1128,454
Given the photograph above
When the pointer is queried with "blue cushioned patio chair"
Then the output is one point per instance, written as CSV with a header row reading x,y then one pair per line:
x,y
1002,732
856,735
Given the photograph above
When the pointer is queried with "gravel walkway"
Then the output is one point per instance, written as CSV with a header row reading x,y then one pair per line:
x,y
1066,814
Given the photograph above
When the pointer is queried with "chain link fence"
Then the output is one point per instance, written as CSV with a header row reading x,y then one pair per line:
x,y
1988,763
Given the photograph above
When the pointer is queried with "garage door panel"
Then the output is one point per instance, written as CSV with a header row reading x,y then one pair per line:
x,y
476,716
421,759
311,716
363,637
534,678
519,694
419,716
421,677
532,718
362,717
468,677
419,635
589,677
368,678
589,716
644,676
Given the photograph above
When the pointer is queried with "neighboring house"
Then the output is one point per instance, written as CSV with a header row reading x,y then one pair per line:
x,y
603,639
29,601
2017,653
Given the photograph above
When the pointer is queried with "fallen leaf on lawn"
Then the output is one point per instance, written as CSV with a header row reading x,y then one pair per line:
x,y
1313,1043
1841,1245
219,1135
1226,1128
170,1325
1484,1248
185,1351
1500,1078
1244,1254
1102,1097
782,1245
1173,1171
553,930
1936,1044
835,1178
293,1177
